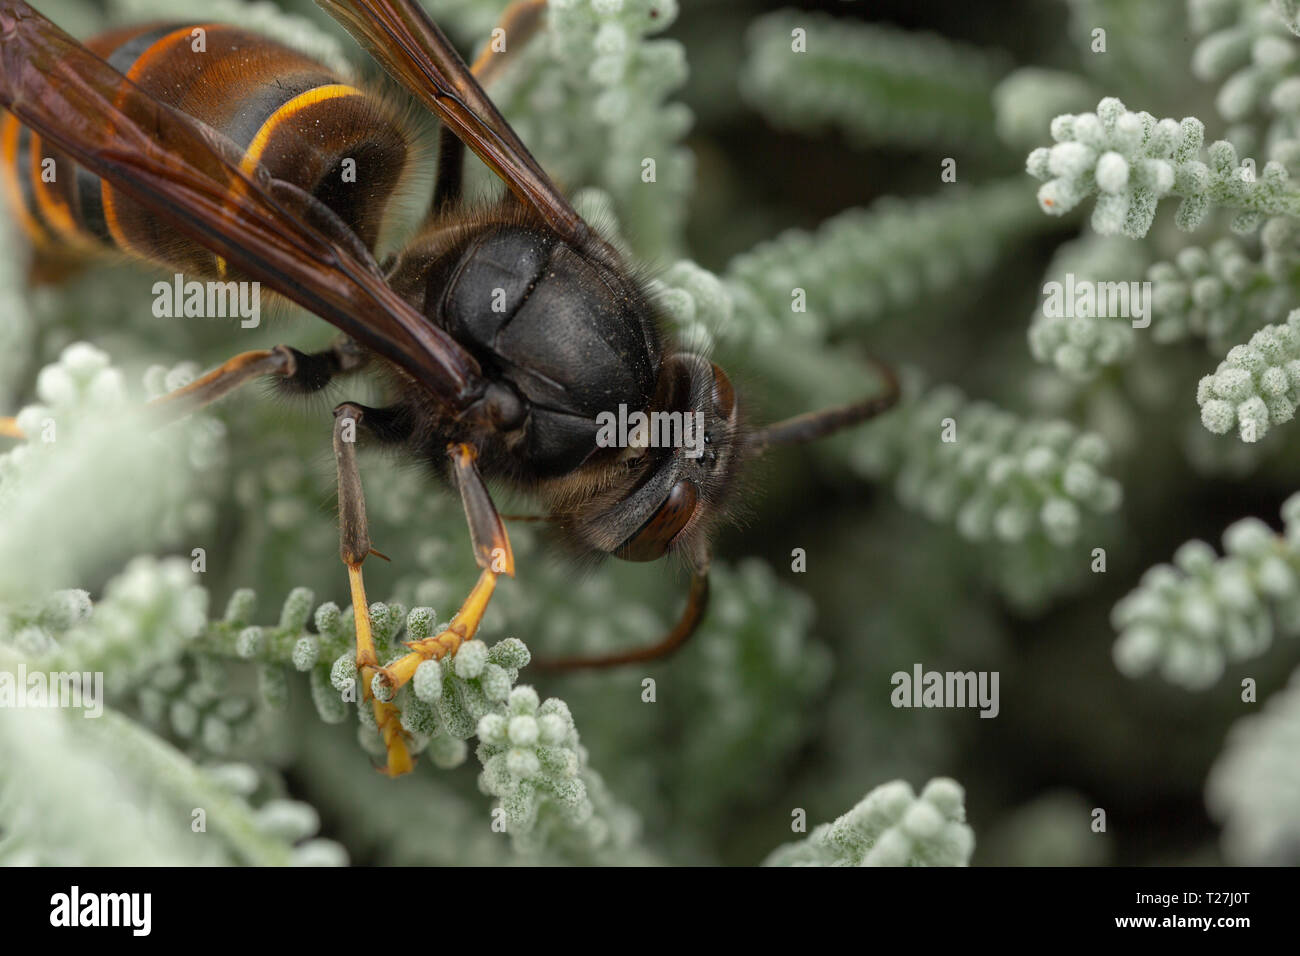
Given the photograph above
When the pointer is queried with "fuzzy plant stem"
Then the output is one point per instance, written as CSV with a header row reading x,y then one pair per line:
x,y
188,786
1130,161
1191,618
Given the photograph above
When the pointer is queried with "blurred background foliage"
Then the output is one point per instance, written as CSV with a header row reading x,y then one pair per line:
x,y
782,702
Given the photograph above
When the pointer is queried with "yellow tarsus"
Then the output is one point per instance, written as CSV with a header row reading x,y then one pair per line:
x,y
387,717
462,628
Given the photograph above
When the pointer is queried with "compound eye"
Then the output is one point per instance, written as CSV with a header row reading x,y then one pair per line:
x,y
724,395
652,540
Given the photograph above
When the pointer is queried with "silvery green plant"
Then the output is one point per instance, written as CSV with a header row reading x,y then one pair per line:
x,y
1203,614
1257,385
891,826
1254,785
1082,346
1223,292
1025,490
1130,161
1191,618
1226,178
876,83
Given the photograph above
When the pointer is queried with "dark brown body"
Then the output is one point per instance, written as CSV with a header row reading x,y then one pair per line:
x,y
503,329
302,122
561,330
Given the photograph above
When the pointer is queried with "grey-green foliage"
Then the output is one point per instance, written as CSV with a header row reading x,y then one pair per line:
x,y
1136,39
590,96
231,681
1257,385
18,328
85,440
151,638
77,790
723,705
1080,346
1027,99
1031,506
1289,12
1130,161
1189,620
1229,291
103,762
147,614
464,830
551,799
808,71
533,763
1192,619
1055,829
1223,293
535,766
891,826
1022,488
1247,50
469,17
1254,786
758,666
532,760
866,264
869,263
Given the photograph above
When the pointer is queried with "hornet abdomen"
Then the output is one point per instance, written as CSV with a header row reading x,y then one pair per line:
x,y
305,124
